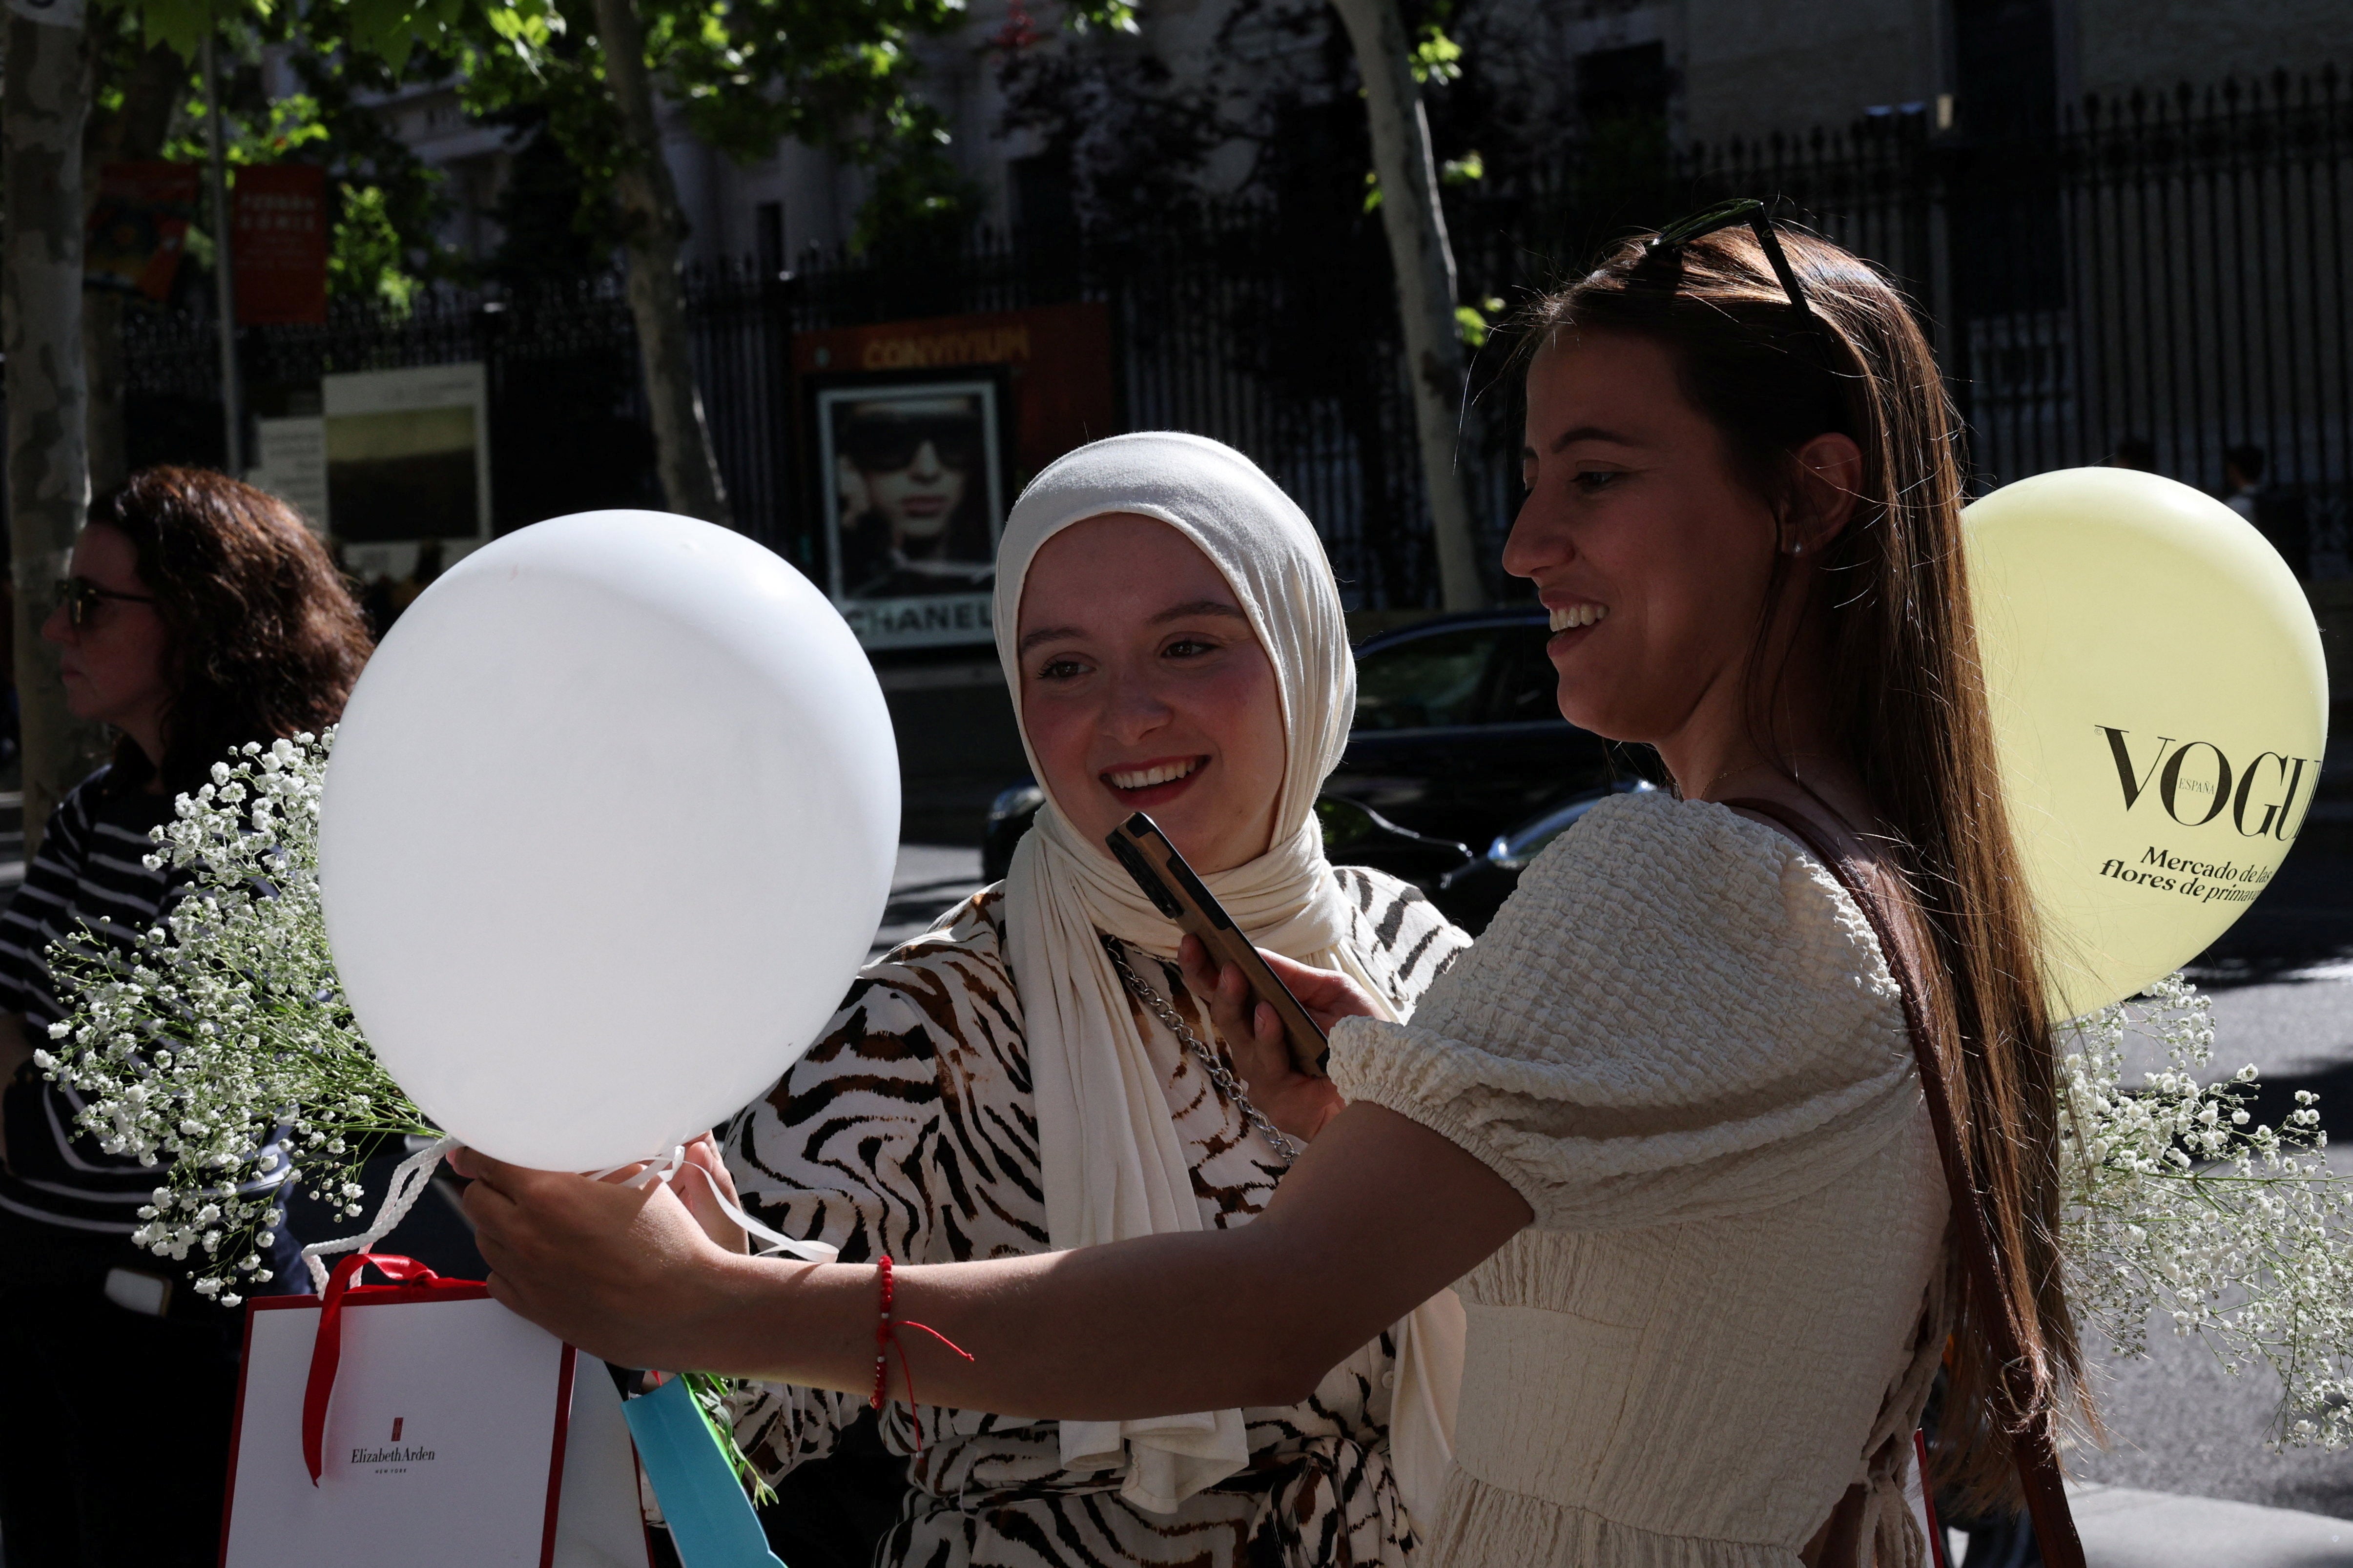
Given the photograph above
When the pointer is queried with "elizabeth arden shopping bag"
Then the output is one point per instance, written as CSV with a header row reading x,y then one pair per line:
x,y
422,1422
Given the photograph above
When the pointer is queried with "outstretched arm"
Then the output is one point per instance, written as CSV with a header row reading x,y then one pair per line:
x,y
1378,1214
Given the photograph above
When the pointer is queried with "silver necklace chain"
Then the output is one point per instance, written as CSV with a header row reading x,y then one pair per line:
x,y
1227,1084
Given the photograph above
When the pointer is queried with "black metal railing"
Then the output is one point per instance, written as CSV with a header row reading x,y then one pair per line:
x,y
2165,276
2164,281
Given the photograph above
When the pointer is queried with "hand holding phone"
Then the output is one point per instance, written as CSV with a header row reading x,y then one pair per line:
x,y
1177,892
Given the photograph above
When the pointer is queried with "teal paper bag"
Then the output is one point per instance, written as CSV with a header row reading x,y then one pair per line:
x,y
711,1521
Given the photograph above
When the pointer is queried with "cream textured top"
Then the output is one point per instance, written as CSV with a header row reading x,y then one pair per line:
x,y
1680,1043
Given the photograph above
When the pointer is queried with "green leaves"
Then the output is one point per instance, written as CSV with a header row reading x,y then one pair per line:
x,y
1476,323
184,23
291,124
450,28
364,259
1462,171
747,74
389,31
1436,58
840,75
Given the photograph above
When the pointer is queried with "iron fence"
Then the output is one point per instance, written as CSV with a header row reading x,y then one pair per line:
x,y
2165,278
2161,282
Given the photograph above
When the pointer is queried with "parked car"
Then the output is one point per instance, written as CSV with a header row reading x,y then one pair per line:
x,y
1459,733
1472,892
1470,888
1354,835
1009,815
1457,742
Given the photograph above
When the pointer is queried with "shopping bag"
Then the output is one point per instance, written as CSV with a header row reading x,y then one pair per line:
x,y
710,1521
600,1521
422,1422
1921,1504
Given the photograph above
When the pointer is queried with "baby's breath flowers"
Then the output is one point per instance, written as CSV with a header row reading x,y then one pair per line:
x,y
2184,1210
223,1049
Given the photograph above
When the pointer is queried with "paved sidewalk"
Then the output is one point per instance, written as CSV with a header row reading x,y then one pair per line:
x,y
928,878
2127,1528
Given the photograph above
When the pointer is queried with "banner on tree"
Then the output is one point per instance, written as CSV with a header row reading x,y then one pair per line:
x,y
277,248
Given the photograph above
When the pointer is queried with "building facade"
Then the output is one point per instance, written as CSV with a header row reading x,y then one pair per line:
x,y
1239,71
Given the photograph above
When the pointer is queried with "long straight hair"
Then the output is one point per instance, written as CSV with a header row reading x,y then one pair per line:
x,y
1907,712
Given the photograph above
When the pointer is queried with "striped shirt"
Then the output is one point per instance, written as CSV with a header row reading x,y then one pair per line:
x,y
90,873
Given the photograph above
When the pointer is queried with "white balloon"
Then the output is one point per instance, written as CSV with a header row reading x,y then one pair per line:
x,y
607,828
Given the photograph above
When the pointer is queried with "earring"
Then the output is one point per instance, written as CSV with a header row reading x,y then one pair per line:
x,y
1796,549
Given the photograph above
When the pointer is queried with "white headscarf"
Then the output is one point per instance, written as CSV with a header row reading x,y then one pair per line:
x,y
1110,1161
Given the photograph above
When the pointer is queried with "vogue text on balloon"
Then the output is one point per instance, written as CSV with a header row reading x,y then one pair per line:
x,y
2166,770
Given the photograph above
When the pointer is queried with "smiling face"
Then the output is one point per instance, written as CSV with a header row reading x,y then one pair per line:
x,y
1651,553
1144,689
113,666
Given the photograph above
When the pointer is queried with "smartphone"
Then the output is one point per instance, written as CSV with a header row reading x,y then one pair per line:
x,y
1138,845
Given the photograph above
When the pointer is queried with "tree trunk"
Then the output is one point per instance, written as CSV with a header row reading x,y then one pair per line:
x,y
132,132
652,228
44,100
1424,266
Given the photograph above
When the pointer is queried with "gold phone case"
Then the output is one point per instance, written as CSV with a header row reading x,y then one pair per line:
x,y
1138,845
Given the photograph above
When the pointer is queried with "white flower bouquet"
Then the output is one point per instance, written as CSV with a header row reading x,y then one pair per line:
x,y
2184,1210
223,1049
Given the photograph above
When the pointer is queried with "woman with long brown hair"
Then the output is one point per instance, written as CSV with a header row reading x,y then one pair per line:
x,y
1672,1126
199,615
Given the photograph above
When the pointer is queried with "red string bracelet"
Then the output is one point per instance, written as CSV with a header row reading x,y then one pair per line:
x,y
886,1334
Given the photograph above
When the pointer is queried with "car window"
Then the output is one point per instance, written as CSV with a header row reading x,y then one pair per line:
x,y
1425,682
1527,688
1344,823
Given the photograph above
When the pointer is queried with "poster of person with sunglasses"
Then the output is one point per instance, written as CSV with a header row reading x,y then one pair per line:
x,y
913,496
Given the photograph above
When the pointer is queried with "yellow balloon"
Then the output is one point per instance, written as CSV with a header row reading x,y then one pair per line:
x,y
2160,707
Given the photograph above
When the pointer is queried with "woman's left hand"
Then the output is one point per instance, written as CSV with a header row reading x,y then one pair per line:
x,y
626,1273
701,1193
1295,1099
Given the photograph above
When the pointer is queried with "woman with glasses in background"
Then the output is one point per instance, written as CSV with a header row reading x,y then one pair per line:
x,y
1672,1126
200,614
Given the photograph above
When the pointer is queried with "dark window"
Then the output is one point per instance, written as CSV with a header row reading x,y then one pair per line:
x,y
1314,165
1621,95
2005,68
1623,87
2008,249
1425,682
1527,687
1042,208
768,236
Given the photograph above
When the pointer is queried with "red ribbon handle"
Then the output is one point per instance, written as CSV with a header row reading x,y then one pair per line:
x,y
327,1350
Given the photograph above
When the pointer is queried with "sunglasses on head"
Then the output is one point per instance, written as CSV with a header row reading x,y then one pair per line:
x,y
81,598
881,444
1757,218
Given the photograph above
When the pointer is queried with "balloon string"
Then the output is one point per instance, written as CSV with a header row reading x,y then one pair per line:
x,y
408,1183
665,1169
413,1174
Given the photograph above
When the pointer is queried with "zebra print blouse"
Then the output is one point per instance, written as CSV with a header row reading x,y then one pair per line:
x,y
909,1128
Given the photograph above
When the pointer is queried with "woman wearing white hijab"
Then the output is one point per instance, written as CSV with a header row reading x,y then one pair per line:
x,y
1009,1083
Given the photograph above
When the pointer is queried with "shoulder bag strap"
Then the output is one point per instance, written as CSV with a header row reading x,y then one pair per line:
x,y
2037,1465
